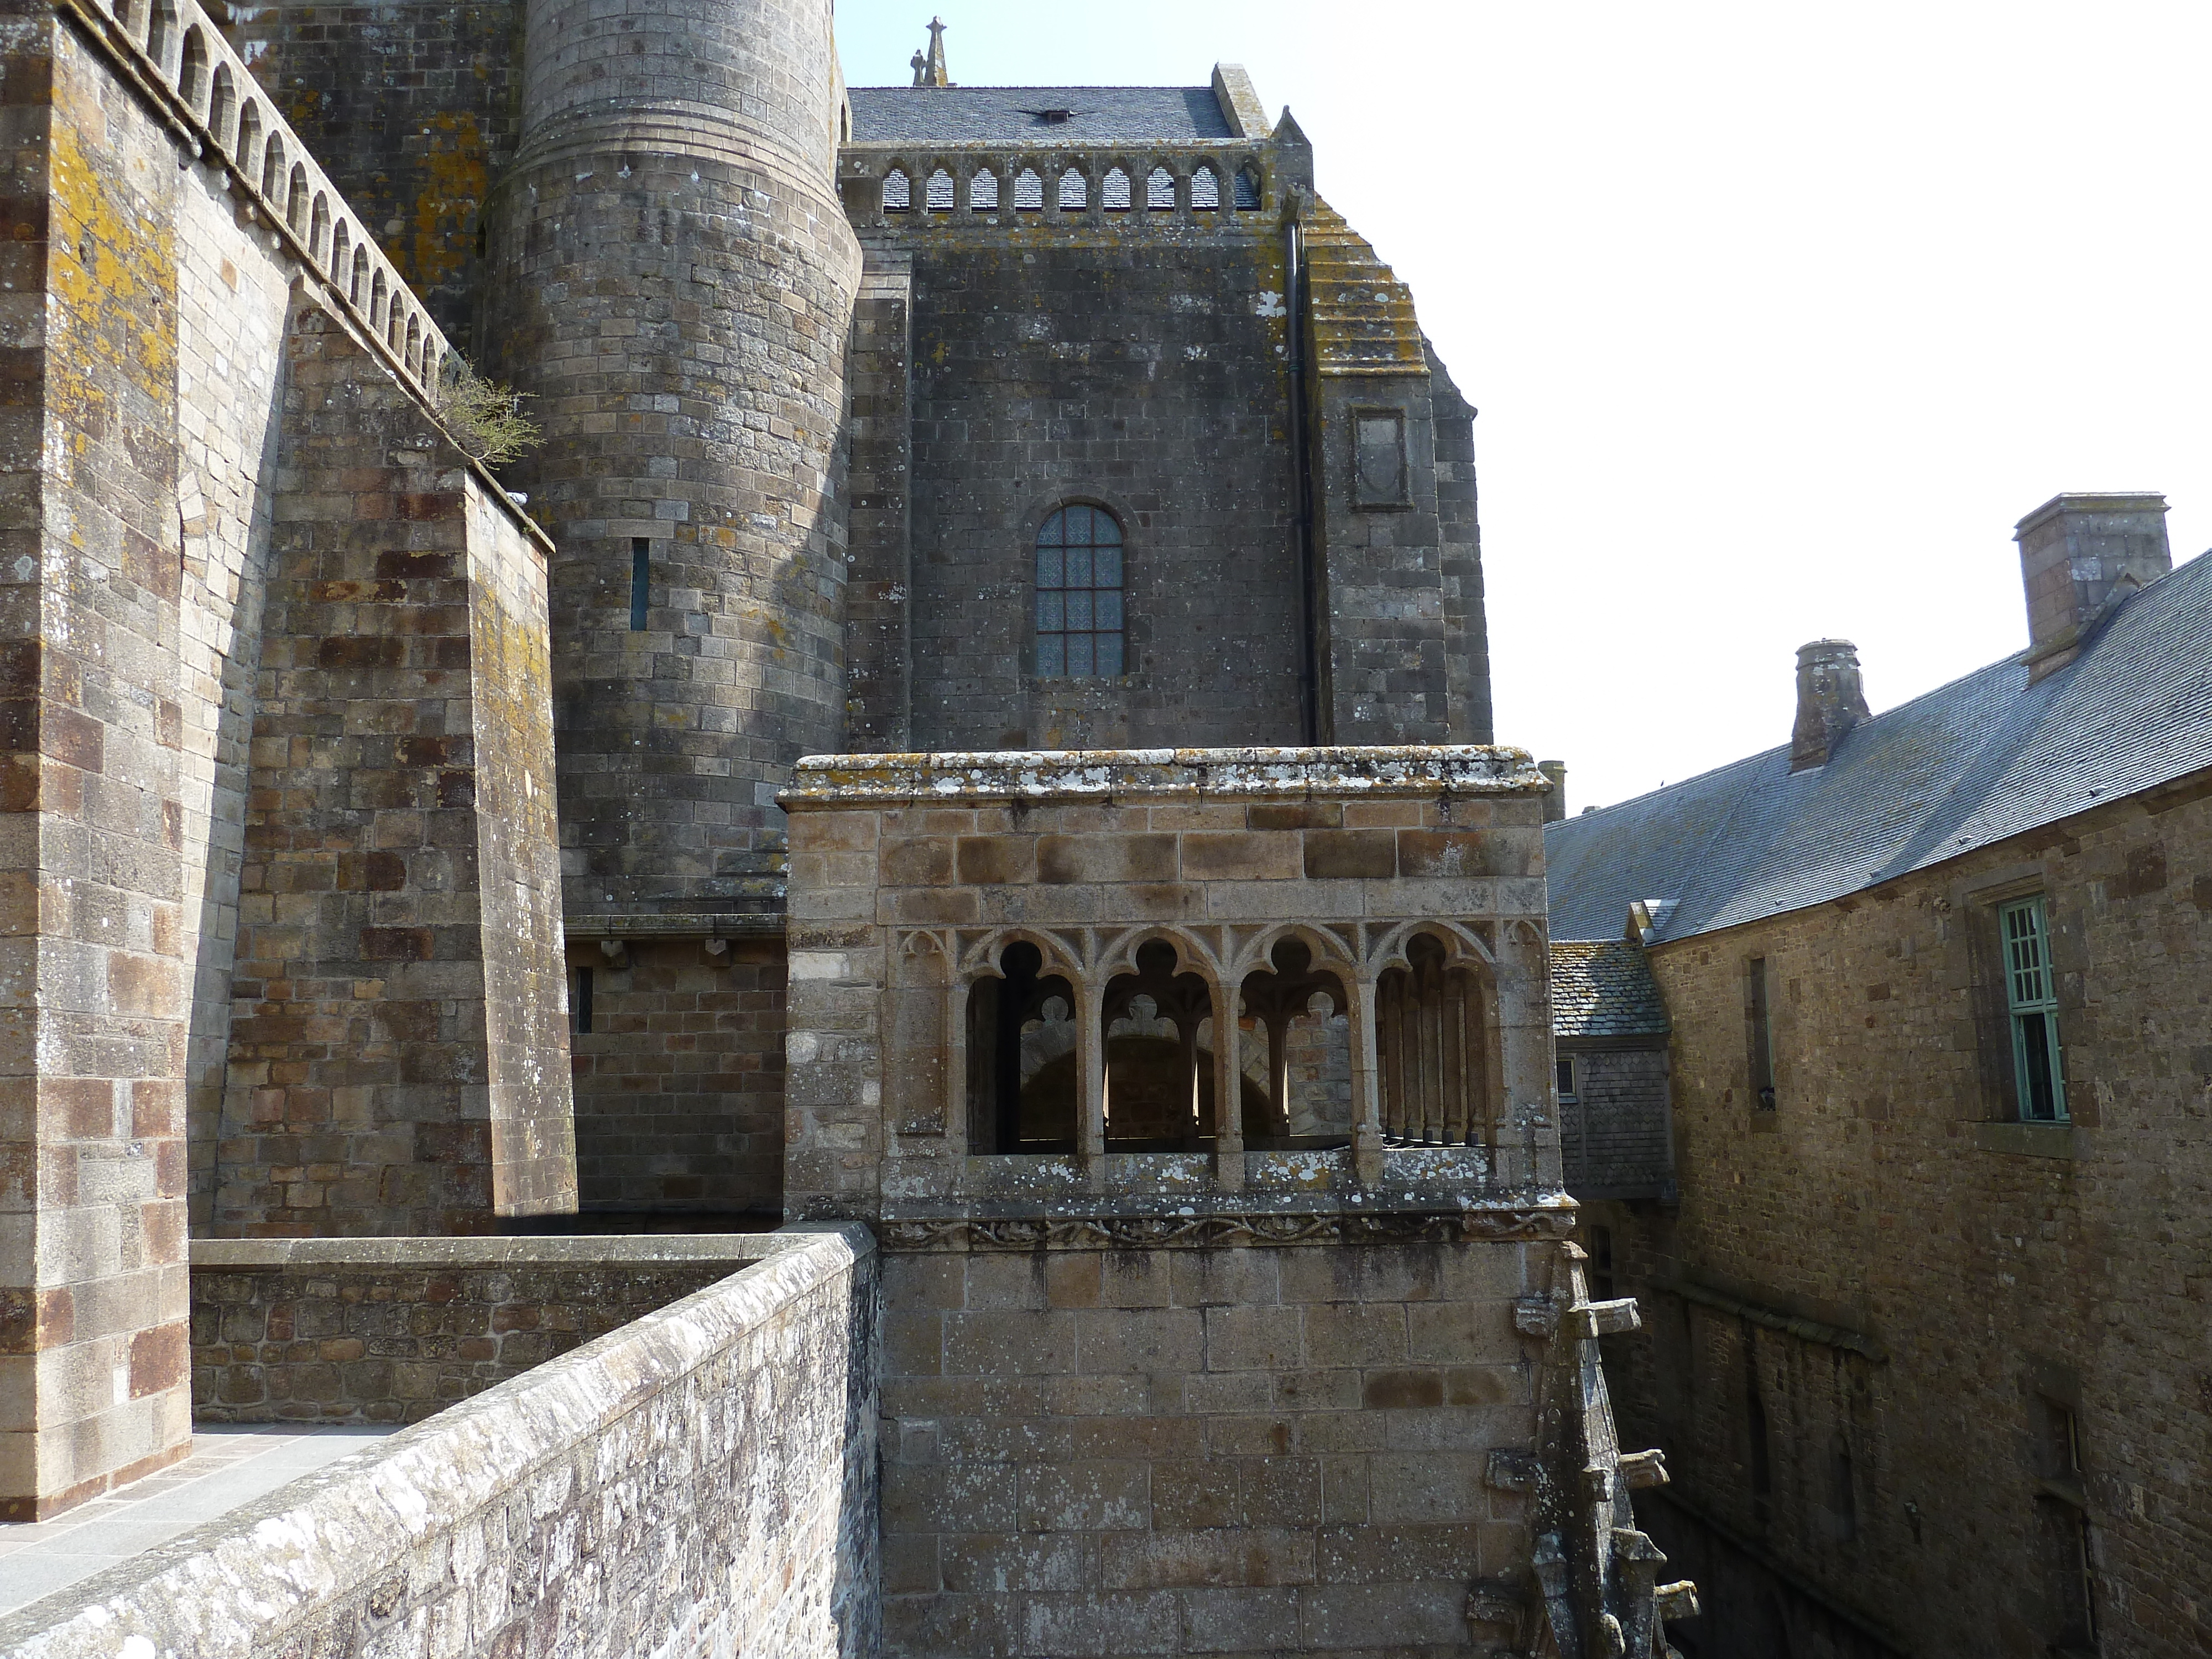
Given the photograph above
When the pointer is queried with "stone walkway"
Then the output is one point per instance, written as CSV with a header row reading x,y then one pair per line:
x,y
229,1465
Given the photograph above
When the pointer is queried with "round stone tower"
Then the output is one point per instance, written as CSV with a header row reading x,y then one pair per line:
x,y
670,279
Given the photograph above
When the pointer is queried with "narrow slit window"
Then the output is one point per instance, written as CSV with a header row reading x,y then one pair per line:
x,y
1565,1068
1759,1017
1079,595
640,582
580,1006
2032,999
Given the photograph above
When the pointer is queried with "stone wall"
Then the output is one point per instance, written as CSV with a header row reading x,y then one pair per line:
x,y
165,219
397,1045
349,1330
1148,360
701,1479
1614,1138
1882,1301
413,115
1228,1450
679,1080
691,386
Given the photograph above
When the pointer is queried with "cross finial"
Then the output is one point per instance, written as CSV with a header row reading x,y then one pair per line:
x,y
930,72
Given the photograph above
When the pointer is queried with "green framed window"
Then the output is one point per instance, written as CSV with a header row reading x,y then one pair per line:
x,y
2032,1000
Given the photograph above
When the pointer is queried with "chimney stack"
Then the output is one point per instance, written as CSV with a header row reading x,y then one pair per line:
x,y
1830,700
1555,804
2079,555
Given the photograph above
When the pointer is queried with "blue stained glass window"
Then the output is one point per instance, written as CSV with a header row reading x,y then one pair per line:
x,y
1079,594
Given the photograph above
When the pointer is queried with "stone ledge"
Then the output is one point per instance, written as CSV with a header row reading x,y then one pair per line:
x,y
484,1252
1407,771
2061,1140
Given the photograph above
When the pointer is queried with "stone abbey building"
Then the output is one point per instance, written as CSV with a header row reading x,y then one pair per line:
x,y
969,736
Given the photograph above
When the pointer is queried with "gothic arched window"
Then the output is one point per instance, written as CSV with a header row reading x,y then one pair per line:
x,y
1079,594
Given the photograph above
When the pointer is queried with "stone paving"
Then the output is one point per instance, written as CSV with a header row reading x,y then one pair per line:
x,y
228,1466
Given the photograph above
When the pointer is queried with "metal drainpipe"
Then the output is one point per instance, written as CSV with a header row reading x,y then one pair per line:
x,y
1302,459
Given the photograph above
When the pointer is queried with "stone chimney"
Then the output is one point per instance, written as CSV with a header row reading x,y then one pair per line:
x,y
2079,557
1830,700
1555,804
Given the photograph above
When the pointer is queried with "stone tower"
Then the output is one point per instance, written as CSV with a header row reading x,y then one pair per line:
x,y
671,279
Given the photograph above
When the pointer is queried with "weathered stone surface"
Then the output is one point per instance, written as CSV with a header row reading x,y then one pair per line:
x,y
337,1331
1877,1299
701,1479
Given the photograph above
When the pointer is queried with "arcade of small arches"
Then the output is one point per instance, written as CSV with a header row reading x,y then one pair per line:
x,y
1136,1054
181,48
1179,185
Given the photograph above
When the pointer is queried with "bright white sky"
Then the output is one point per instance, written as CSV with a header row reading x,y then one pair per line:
x,y
1779,316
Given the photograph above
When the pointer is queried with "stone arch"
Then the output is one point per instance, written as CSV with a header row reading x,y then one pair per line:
x,y
1301,995
1167,1047
357,279
940,194
413,357
319,230
1328,949
377,297
296,199
1115,190
983,191
223,106
898,191
1010,1033
341,249
192,70
246,151
1438,1037
272,168
1390,950
1248,188
1073,191
1028,189
1160,190
1205,188
161,32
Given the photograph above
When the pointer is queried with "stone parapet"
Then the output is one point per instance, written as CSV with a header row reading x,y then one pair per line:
x,y
701,1479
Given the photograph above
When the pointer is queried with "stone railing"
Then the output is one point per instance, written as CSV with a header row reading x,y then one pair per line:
x,y
1227,185
212,103
702,1480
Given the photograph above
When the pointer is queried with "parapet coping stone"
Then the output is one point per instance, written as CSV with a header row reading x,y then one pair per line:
x,y
515,1251
230,1587
1397,771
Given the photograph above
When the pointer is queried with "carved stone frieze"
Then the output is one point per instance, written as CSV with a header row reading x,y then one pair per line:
x,y
1217,1230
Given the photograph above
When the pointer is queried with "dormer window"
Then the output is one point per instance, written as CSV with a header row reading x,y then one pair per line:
x,y
1052,117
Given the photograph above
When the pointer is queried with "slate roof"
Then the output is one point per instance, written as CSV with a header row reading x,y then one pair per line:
x,y
991,115
1985,757
1603,989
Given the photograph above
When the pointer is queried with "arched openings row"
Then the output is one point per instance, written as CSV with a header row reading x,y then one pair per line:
x,y
188,54
1136,1056
1120,187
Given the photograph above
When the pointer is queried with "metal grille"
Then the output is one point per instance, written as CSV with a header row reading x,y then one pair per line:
x,y
1079,594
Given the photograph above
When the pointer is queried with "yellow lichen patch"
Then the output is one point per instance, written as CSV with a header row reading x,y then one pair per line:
x,y
1363,315
456,178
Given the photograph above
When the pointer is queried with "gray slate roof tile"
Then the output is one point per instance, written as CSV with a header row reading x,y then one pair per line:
x,y
1603,989
1981,759
1006,115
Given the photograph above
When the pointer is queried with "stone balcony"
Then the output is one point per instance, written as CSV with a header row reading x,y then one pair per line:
x,y
1013,974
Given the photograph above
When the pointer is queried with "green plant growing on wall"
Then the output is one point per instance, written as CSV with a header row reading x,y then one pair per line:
x,y
484,417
